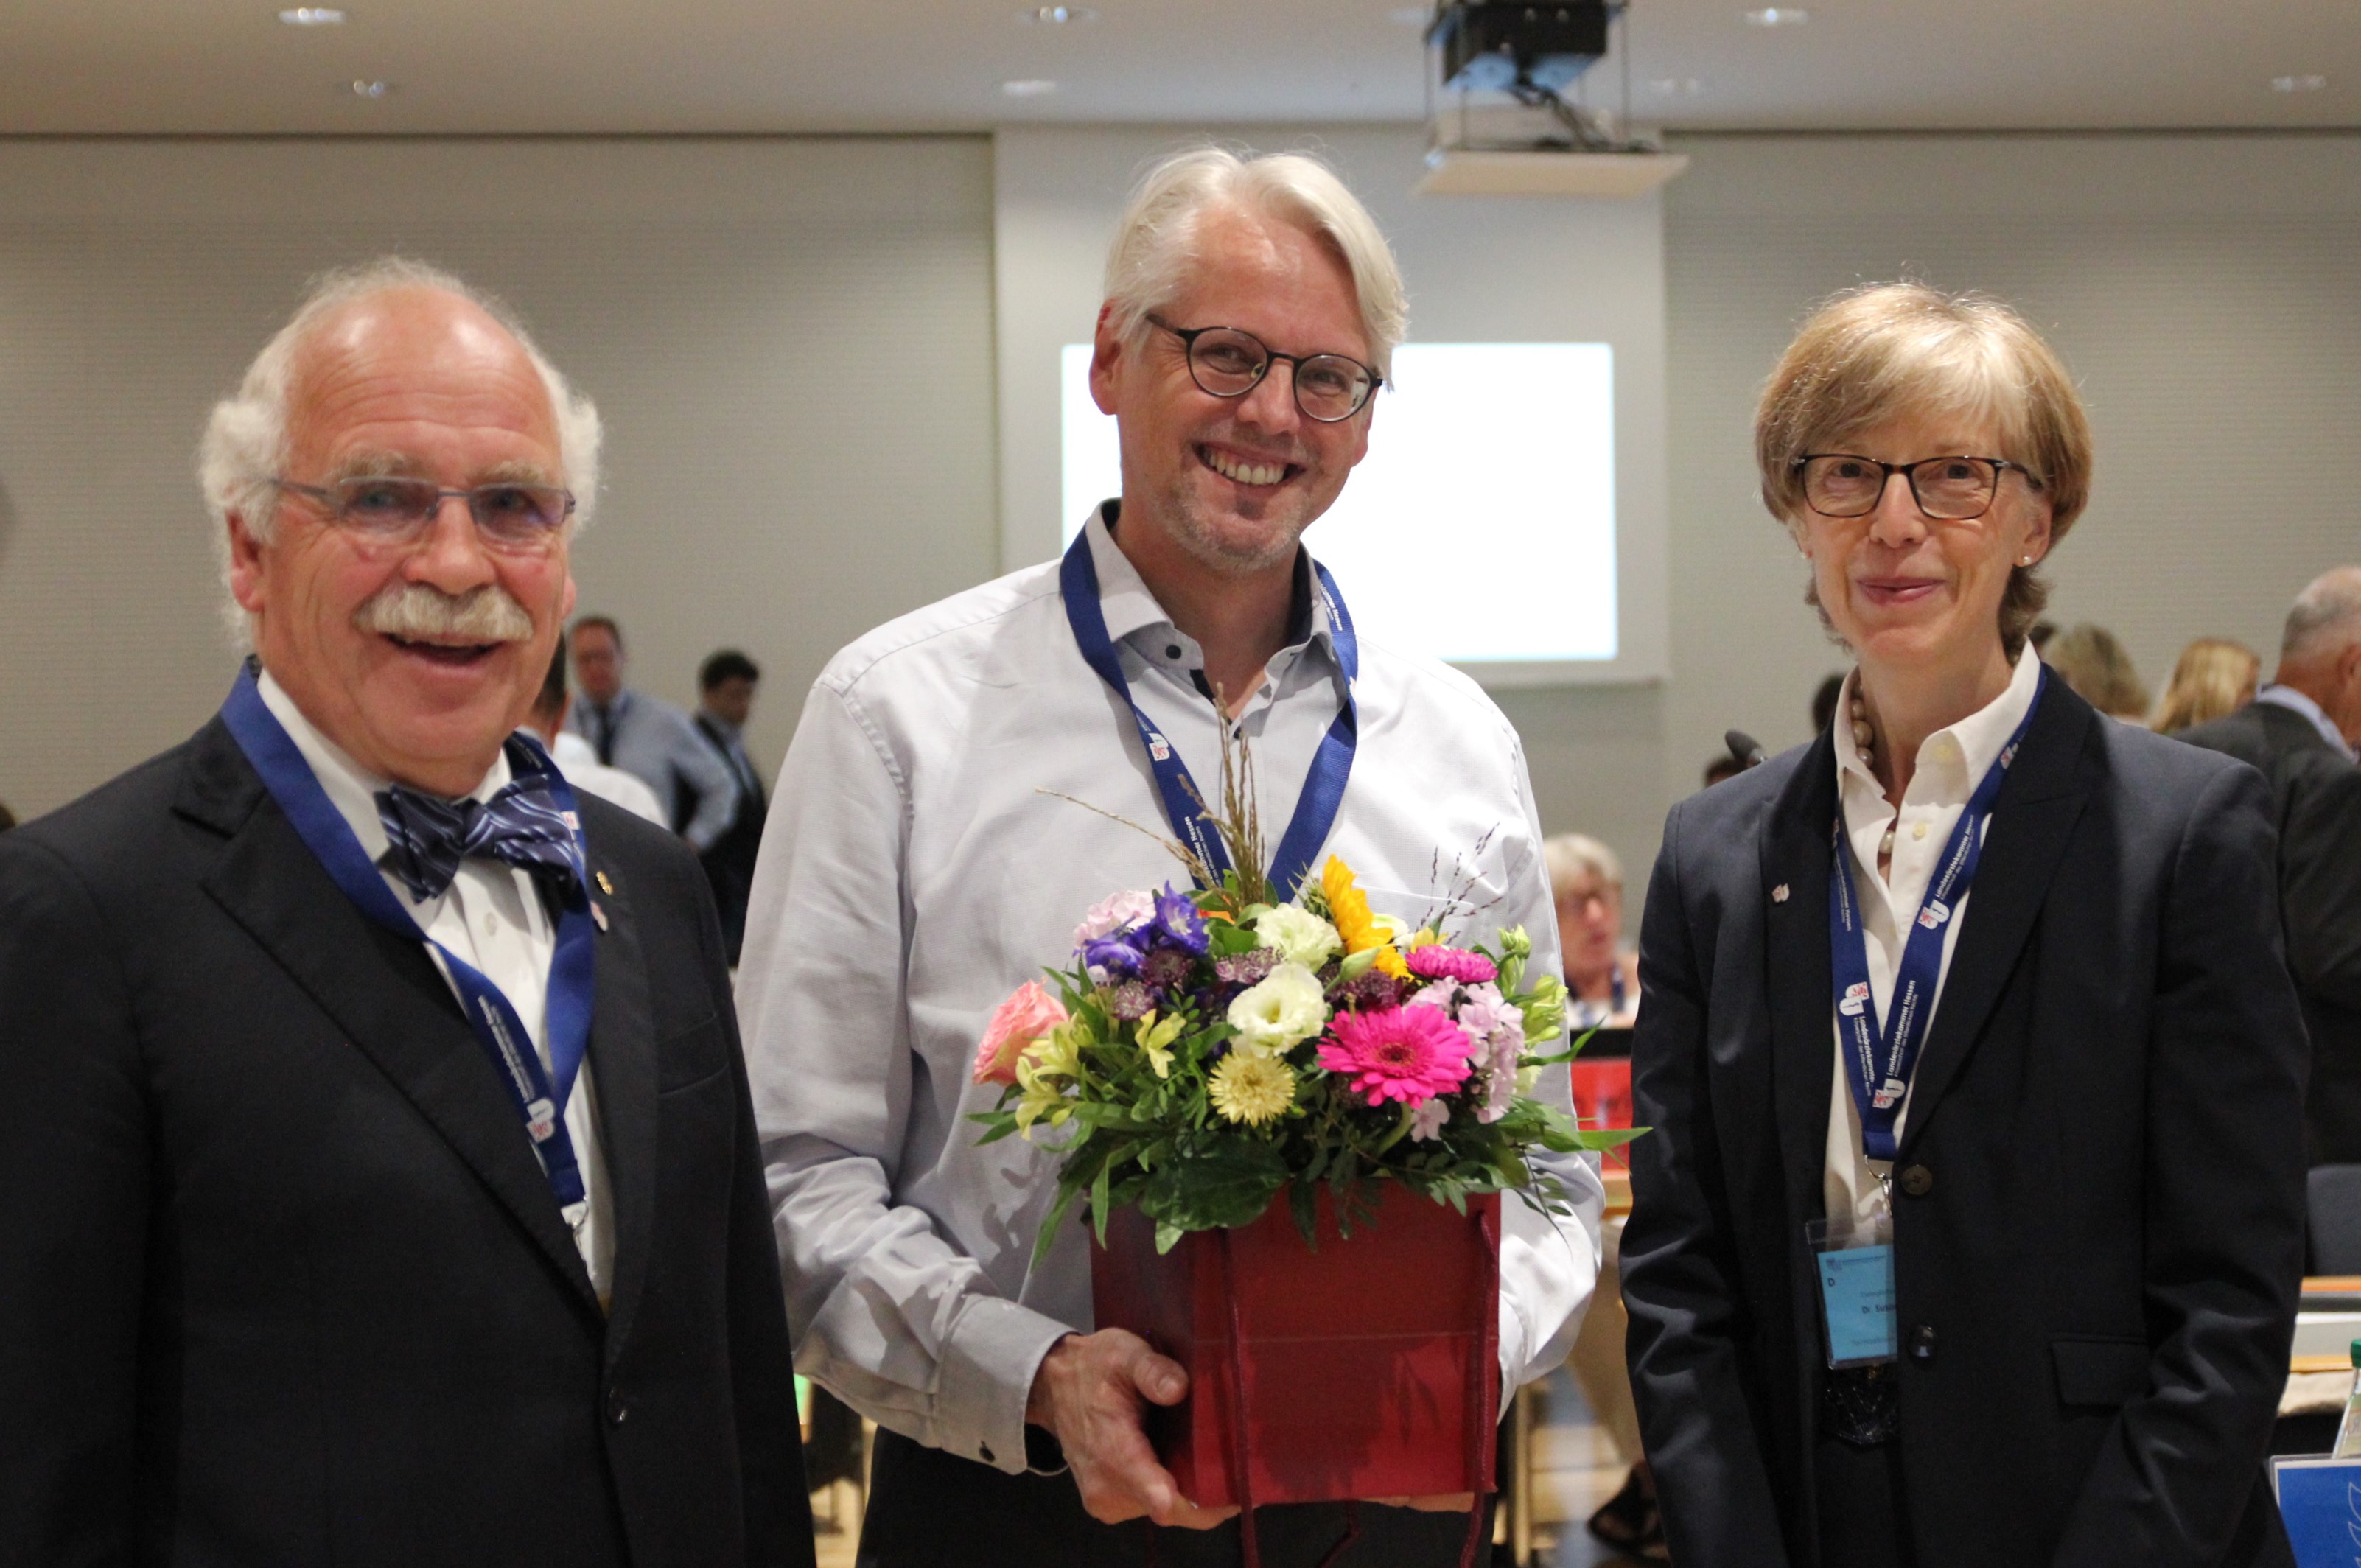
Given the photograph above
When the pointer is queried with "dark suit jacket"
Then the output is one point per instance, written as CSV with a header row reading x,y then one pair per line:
x,y
2316,796
2099,1256
281,1279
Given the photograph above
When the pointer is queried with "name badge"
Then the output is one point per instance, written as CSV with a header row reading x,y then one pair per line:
x,y
1857,1306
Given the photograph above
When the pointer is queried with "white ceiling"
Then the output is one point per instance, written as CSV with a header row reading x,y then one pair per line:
x,y
588,66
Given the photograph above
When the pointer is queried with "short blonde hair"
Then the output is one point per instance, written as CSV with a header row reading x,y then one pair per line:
x,y
1156,239
2094,661
1888,351
1573,855
2213,677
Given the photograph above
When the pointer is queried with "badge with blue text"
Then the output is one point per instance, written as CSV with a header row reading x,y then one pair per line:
x,y
1854,1263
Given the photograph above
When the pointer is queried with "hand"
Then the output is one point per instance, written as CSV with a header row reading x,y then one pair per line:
x,y
1088,1394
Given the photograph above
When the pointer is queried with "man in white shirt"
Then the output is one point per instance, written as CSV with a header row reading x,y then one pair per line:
x,y
917,869
383,1183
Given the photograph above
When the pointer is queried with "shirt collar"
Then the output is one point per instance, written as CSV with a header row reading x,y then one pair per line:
x,y
2295,701
351,787
1953,759
1131,610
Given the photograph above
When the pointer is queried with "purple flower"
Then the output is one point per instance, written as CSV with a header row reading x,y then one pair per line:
x,y
1107,957
1130,1000
1366,992
1177,922
1246,967
1166,968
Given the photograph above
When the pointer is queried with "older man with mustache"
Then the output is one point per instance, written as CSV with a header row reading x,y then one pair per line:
x,y
382,1179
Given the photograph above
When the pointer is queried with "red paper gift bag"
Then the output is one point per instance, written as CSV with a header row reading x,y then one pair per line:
x,y
1602,1098
1369,1368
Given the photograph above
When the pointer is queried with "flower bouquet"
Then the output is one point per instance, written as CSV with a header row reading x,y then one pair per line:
x,y
1203,1053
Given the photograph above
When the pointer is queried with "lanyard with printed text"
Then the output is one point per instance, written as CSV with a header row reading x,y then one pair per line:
x,y
1323,788
1882,1054
538,1096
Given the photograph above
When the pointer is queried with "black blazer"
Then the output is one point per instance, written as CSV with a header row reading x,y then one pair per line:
x,y
2100,1253
281,1280
2316,797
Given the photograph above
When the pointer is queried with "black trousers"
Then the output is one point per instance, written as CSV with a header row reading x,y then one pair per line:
x,y
1863,1521
932,1510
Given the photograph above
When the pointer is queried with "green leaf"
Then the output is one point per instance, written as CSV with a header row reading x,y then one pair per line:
x,y
1099,1203
1057,1216
1357,964
1227,1185
1168,1236
1303,1203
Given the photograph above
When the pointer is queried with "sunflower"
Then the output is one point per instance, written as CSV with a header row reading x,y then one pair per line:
x,y
1348,911
1249,1088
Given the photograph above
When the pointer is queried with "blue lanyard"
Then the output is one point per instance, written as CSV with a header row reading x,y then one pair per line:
x,y
1323,789
1883,1053
540,1103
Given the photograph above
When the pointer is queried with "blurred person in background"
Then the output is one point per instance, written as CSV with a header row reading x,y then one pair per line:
x,y
2213,678
2094,661
648,738
7,817
2026,1295
2299,731
725,688
1586,883
573,756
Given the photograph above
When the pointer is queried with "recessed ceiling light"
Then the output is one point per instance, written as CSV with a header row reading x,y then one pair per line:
x,y
1676,86
1778,17
367,87
1031,87
2298,84
1058,16
313,17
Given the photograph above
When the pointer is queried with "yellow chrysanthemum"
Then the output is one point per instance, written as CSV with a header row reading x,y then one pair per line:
x,y
1253,1088
1348,911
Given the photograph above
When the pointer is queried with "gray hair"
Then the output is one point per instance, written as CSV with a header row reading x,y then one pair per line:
x,y
2324,617
1572,855
1156,239
245,444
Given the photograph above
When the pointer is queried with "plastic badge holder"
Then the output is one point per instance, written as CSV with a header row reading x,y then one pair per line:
x,y
1854,1263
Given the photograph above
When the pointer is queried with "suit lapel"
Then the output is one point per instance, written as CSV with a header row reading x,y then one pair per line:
x,y
379,988
624,1069
2034,816
1803,1041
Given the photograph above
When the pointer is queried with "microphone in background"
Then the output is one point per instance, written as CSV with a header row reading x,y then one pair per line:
x,y
1744,747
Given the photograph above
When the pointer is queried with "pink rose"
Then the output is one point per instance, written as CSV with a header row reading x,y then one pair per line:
x,y
1027,1015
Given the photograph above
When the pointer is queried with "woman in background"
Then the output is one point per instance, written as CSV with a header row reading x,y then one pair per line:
x,y
2214,677
2094,661
1602,976
1970,1228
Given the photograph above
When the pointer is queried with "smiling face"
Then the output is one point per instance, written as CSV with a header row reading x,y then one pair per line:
x,y
1908,593
1234,482
413,383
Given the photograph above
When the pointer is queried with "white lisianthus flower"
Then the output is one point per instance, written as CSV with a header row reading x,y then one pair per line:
x,y
1299,936
1285,1008
1396,928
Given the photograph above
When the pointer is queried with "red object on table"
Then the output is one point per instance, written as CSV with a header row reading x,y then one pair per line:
x,y
1602,1097
1369,1367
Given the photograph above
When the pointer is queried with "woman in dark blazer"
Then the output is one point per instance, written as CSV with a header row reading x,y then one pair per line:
x,y
2071,1110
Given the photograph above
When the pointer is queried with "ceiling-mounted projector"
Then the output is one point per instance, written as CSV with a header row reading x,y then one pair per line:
x,y
1496,46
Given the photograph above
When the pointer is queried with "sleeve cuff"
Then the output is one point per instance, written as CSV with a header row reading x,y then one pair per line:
x,y
988,1363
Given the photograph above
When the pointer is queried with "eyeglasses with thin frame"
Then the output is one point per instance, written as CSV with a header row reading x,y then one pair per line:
x,y
1948,490
1230,362
389,509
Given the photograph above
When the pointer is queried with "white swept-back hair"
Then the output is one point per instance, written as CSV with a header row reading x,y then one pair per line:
x,y
1156,239
245,444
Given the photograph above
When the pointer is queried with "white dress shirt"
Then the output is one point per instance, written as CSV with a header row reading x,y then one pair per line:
x,y
492,917
583,770
914,873
1952,763
2295,701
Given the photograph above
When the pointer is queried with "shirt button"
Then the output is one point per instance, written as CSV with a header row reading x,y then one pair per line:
x,y
617,1407
1917,1180
1919,831
1172,649
1922,1344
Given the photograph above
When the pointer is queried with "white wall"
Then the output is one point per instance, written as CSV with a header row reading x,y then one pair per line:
x,y
790,339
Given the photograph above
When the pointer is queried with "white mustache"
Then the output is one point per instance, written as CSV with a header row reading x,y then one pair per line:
x,y
420,612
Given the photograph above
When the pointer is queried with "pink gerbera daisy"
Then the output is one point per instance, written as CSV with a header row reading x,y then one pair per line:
x,y
1405,1053
1435,961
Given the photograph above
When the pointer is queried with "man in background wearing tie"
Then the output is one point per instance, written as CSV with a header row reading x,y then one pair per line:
x,y
648,738
382,1185
725,686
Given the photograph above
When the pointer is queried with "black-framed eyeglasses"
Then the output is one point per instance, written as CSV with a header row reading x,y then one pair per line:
x,y
389,510
1948,490
1230,362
